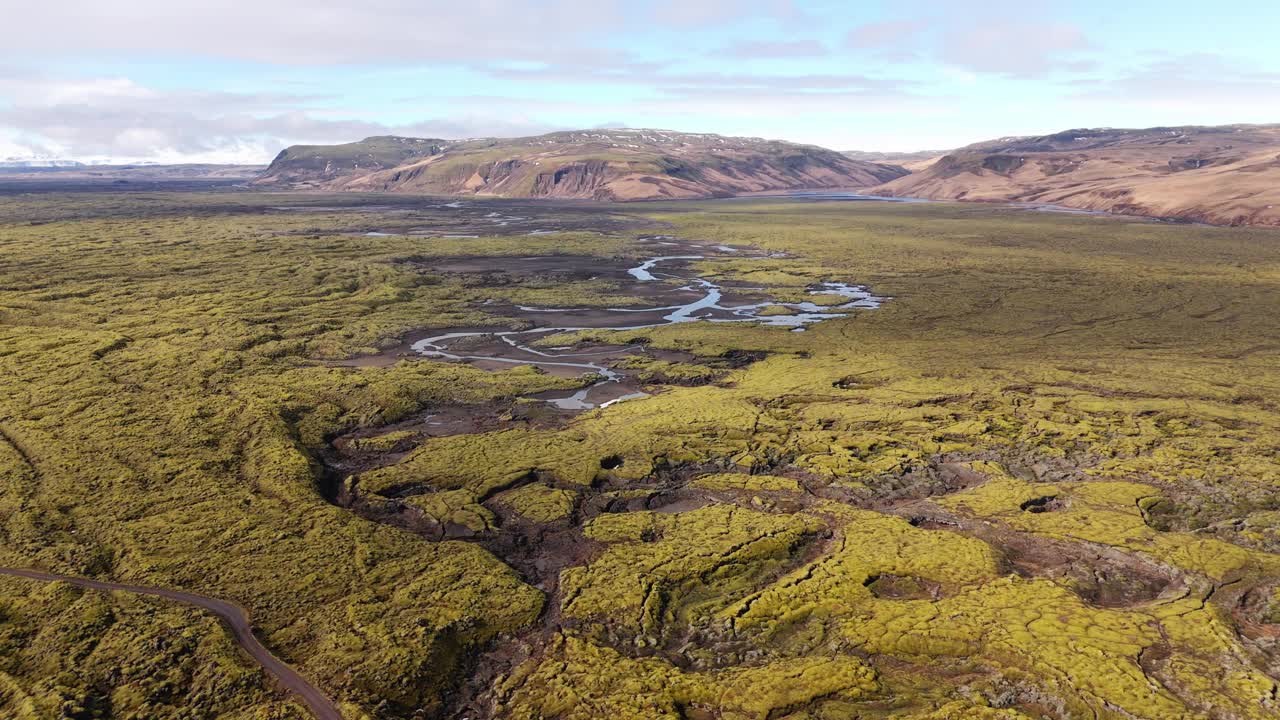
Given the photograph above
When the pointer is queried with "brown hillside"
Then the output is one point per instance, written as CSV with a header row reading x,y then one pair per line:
x,y
1223,175
597,164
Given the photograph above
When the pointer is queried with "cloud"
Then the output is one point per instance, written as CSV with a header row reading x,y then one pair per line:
x,y
513,67
330,32
1010,38
310,31
1200,77
1197,87
117,119
889,35
771,50
1014,48
661,80
696,13
41,89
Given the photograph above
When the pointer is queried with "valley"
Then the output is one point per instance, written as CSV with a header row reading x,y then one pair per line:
x,y
1214,175
777,360
802,458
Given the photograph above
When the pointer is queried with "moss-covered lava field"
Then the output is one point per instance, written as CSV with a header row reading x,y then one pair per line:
x,y
1031,471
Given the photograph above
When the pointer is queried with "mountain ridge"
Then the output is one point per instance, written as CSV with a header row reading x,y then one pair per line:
x,y
1224,175
608,164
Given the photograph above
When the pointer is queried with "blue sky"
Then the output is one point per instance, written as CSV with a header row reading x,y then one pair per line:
x,y
235,81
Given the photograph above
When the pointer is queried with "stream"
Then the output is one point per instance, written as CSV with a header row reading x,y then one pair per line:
x,y
499,348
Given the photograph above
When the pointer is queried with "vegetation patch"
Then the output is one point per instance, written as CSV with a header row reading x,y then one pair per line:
x,y
581,680
747,483
1075,412
538,503
661,568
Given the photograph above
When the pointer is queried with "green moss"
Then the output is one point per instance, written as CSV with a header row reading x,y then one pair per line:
x,y
658,567
649,370
166,397
1026,625
1107,513
869,545
454,507
385,442
747,483
580,680
67,652
539,503
773,310
962,710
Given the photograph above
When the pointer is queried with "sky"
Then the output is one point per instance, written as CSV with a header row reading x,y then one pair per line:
x,y
238,80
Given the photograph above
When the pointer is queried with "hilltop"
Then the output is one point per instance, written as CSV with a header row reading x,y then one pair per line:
x,y
1223,175
590,164
319,164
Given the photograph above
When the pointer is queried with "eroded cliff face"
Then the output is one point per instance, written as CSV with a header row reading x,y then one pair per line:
x,y
607,165
580,179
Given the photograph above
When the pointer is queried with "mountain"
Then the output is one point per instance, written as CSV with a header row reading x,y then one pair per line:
x,y
912,161
590,164
1227,175
320,164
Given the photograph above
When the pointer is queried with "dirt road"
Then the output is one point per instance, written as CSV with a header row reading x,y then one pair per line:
x,y
232,615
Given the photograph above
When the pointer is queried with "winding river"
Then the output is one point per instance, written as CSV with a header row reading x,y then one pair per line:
x,y
518,346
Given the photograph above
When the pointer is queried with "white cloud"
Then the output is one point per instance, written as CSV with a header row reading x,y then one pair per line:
x,y
9,148
1195,77
1015,48
504,67
581,42
695,13
1012,38
770,50
100,119
1194,88
372,31
663,81
36,90
889,35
